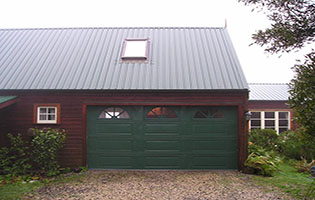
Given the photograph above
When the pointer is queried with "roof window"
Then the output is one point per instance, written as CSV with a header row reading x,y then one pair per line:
x,y
135,49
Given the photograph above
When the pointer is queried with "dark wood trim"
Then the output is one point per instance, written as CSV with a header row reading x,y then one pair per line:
x,y
84,127
35,106
8,103
162,104
240,142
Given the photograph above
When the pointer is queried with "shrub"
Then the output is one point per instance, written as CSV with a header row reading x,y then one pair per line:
x,y
14,160
265,138
304,166
261,161
296,145
45,145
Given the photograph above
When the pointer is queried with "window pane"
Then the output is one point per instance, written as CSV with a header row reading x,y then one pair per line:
x,y
200,114
124,115
218,114
255,115
269,122
51,117
282,129
255,123
161,112
51,110
283,115
42,110
114,112
42,117
135,48
171,114
269,115
151,115
283,122
109,114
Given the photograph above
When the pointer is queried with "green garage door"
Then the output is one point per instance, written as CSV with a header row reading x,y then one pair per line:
x,y
148,137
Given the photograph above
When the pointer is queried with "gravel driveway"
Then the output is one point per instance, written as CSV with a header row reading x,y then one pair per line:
x,y
184,185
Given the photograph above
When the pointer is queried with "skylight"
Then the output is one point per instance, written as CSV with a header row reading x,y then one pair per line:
x,y
135,49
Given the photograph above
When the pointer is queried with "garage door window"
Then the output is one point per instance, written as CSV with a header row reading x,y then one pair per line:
x,y
161,112
209,113
114,113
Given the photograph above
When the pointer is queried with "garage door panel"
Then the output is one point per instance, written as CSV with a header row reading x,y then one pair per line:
x,y
209,145
162,162
167,138
114,129
112,145
112,162
162,145
209,162
157,128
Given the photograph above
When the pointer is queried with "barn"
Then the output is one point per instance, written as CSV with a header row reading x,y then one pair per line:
x,y
129,97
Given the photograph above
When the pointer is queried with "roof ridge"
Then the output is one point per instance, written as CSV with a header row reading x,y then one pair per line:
x,y
140,27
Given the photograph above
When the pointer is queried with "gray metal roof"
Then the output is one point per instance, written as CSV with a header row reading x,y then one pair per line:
x,y
268,91
89,58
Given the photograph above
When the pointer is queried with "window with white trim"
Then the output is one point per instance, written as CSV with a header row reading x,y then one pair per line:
x,y
47,115
276,120
135,49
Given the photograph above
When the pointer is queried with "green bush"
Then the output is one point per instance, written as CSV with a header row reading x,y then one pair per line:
x,y
296,145
14,160
304,166
265,138
45,145
261,161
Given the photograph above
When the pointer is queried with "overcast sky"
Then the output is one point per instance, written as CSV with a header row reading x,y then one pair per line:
x,y
258,66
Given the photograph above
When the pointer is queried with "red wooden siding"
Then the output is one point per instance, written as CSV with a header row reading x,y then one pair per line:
x,y
73,113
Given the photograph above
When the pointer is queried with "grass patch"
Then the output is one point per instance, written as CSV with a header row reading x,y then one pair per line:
x,y
17,190
289,181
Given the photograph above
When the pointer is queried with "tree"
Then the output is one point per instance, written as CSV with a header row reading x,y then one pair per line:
x,y
302,91
292,26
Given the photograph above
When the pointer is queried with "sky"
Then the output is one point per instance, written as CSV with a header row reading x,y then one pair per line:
x,y
241,22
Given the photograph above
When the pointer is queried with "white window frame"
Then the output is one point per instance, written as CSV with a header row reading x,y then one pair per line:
x,y
39,121
276,119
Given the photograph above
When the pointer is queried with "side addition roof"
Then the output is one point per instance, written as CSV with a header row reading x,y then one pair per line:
x,y
90,59
268,91
6,101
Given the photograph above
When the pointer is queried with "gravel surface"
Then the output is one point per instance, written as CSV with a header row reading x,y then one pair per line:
x,y
184,185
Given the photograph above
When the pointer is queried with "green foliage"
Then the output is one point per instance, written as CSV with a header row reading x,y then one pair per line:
x,y
27,189
302,93
45,145
296,145
292,25
14,159
265,138
261,161
304,166
288,180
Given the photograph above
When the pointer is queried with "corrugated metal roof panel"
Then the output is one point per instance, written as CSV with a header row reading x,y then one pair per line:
x,y
89,58
269,91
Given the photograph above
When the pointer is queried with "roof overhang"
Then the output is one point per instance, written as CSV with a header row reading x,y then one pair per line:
x,y
6,101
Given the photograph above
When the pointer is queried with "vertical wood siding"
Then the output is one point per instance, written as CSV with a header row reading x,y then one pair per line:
x,y
19,117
